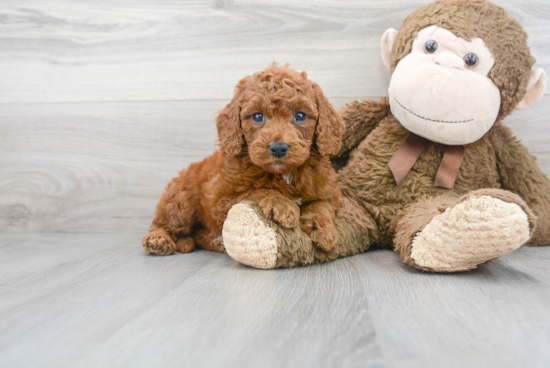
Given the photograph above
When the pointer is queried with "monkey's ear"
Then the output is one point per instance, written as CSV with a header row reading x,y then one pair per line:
x,y
230,134
388,38
330,125
535,89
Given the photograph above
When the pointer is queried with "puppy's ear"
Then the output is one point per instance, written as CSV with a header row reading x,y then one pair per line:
x,y
330,125
230,134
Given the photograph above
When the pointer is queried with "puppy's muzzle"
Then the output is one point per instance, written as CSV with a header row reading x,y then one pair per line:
x,y
278,149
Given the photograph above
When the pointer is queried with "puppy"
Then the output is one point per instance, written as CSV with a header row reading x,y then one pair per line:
x,y
275,137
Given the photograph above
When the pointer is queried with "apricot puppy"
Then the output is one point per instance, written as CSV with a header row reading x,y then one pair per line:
x,y
275,137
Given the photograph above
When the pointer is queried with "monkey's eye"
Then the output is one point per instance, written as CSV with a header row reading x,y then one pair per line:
x,y
258,118
471,60
300,117
430,47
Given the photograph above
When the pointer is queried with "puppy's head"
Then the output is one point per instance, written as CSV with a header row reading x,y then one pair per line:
x,y
279,118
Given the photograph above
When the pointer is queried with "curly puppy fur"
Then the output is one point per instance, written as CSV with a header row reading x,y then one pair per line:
x,y
377,213
298,188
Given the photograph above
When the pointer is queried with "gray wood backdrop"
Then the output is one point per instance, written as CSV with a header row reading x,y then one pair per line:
x,y
102,102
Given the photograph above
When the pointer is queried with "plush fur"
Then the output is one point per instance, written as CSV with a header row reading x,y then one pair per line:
x,y
448,234
376,212
296,189
468,19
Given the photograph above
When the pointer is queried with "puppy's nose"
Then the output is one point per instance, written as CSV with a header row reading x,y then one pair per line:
x,y
278,149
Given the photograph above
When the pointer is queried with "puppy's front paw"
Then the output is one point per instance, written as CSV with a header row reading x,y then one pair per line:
x,y
321,230
283,211
158,242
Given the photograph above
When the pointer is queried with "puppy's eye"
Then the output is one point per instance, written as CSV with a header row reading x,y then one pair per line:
x,y
430,47
471,60
300,117
258,118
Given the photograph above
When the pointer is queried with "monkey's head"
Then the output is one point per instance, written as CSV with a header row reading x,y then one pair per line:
x,y
458,66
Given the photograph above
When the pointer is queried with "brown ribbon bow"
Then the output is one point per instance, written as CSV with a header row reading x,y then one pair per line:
x,y
409,152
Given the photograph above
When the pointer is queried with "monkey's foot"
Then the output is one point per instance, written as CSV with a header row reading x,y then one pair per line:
x,y
474,231
248,238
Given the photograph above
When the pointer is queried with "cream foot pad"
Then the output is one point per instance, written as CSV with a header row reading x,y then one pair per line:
x,y
472,232
248,239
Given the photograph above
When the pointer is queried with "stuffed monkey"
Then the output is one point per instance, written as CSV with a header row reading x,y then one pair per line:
x,y
430,171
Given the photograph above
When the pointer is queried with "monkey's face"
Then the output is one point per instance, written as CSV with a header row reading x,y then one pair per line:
x,y
441,90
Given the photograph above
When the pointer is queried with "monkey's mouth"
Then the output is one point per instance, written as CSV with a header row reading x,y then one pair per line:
x,y
432,120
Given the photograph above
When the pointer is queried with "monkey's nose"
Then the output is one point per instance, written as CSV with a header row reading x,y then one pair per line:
x,y
446,59
278,149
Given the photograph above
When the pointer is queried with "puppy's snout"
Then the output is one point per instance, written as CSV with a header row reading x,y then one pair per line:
x,y
278,149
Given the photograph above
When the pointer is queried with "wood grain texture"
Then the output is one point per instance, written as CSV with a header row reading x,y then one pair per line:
x,y
102,166
494,316
95,167
83,300
103,102
143,50
99,300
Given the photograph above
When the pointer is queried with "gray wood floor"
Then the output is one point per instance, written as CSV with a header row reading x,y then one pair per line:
x,y
102,102
83,300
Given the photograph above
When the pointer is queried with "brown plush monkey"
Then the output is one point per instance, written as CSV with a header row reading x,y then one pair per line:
x,y
430,171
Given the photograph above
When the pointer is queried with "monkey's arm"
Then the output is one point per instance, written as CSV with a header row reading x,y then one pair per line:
x,y
520,174
360,119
